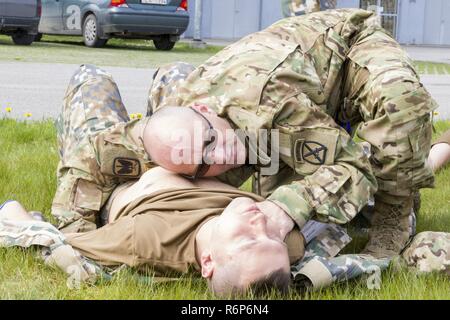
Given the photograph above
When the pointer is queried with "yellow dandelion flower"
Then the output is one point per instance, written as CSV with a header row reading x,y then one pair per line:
x,y
435,113
8,109
132,116
27,115
139,115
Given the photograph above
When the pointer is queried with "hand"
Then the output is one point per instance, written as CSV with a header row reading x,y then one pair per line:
x,y
279,223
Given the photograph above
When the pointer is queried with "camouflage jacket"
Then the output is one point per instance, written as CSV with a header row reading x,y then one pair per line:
x,y
287,77
320,267
87,176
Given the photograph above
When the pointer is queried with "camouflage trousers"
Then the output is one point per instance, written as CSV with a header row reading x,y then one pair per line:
x,y
320,267
53,249
92,104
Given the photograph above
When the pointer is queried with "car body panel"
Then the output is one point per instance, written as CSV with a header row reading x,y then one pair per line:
x,y
51,19
19,8
136,20
141,22
19,16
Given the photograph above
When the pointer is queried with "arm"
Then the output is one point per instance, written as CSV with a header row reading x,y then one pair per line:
x,y
338,177
321,266
77,200
440,152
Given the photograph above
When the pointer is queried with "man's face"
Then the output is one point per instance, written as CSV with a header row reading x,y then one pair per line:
x,y
198,143
221,149
242,234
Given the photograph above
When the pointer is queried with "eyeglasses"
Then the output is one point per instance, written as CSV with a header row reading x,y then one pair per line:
x,y
208,145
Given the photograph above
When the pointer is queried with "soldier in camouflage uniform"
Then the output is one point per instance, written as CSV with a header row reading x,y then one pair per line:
x,y
98,146
290,8
301,76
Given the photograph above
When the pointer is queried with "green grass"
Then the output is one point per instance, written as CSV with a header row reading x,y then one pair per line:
x,y
425,67
28,162
117,52
128,53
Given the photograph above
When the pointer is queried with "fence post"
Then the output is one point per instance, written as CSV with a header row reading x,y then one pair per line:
x,y
197,41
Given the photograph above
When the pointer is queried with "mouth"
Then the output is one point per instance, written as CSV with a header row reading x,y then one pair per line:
x,y
253,209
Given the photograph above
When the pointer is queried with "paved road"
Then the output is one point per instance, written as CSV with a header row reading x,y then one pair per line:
x,y
39,88
429,53
439,87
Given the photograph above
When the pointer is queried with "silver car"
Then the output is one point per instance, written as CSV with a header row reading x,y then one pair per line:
x,y
163,21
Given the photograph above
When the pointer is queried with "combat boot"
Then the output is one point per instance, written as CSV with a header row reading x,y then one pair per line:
x,y
390,228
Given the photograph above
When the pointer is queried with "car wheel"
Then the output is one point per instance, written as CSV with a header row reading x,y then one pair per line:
x,y
23,39
164,43
90,32
38,37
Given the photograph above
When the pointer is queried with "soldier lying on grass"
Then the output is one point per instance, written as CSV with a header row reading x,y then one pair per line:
x,y
173,226
238,241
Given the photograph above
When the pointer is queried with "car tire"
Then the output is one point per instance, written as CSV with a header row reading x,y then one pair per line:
x,y
38,37
23,39
90,33
164,43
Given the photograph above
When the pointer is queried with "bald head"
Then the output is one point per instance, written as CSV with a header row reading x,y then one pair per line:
x,y
176,138
169,138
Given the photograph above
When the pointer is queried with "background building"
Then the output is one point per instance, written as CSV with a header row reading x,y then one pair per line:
x,y
421,22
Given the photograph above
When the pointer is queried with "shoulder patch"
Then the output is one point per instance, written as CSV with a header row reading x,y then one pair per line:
x,y
313,152
127,167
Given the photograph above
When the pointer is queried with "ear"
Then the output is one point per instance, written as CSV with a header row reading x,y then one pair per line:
x,y
207,265
202,108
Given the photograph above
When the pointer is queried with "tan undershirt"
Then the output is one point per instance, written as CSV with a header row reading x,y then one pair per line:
x,y
152,225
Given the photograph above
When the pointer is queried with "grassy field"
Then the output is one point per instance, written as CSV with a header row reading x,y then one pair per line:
x,y
117,52
28,161
128,53
424,67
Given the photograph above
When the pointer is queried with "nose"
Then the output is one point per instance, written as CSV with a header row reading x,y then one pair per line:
x,y
258,222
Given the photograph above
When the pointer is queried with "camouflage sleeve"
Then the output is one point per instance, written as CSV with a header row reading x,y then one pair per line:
x,y
320,267
318,272
77,199
338,177
55,251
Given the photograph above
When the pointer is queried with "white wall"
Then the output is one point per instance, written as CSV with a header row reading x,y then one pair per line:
x,y
420,21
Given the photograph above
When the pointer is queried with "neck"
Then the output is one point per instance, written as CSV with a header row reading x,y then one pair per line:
x,y
203,238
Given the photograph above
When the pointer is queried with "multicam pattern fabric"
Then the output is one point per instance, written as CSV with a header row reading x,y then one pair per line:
x,y
429,251
93,129
303,75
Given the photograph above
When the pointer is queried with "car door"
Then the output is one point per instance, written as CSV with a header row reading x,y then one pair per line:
x,y
51,18
71,15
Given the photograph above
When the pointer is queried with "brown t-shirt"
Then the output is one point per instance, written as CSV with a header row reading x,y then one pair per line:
x,y
159,230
